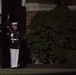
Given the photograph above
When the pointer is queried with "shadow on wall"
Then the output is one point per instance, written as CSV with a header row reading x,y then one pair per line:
x,y
24,55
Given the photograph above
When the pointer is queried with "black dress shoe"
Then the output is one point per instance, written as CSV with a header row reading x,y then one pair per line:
x,y
16,68
13,68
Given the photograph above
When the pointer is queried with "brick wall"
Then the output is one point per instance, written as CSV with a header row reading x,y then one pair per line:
x,y
29,15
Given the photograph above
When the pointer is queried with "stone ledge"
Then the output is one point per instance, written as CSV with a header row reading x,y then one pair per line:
x,y
58,66
38,71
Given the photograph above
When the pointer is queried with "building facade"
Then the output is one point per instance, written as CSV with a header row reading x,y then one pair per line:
x,y
24,17
32,6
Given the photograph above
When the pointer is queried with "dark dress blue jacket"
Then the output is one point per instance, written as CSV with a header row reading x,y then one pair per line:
x,y
15,44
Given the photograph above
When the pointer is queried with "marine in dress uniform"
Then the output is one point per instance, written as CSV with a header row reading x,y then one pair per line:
x,y
14,45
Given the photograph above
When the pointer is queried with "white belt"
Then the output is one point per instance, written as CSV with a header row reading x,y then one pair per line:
x,y
15,39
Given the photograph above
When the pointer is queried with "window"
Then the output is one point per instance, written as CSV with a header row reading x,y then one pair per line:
x,y
39,1
58,2
32,1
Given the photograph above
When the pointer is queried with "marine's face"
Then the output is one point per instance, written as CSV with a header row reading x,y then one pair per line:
x,y
14,27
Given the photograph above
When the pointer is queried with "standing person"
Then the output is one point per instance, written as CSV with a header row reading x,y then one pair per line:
x,y
14,45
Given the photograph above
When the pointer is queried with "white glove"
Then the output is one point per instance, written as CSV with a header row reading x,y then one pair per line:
x,y
12,35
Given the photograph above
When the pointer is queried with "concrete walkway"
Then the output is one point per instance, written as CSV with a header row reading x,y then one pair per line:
x,y
35,70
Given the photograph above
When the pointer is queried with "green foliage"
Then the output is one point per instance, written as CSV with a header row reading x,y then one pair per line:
x,y
71,57
53,34
58,55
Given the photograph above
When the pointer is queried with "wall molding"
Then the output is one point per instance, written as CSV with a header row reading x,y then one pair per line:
x,y
72,7
39,6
